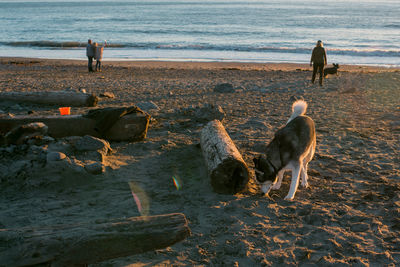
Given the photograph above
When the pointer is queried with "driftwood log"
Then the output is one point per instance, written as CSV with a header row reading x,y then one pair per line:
x,y
82,244
131,127
59,98
228,172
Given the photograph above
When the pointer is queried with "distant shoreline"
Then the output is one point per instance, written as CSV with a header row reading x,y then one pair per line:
x,y
271,66
176,55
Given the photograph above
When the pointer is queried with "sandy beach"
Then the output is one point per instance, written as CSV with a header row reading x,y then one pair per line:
x,y
349,215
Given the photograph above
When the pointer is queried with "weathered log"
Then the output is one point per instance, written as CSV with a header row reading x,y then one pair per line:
x,y
131,127
80,244
59,98
228,172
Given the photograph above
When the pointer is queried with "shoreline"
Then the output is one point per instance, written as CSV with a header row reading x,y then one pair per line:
x,y
270,66
111,54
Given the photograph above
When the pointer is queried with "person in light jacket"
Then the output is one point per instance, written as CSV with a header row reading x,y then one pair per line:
x,y
318,61
90,55
99,55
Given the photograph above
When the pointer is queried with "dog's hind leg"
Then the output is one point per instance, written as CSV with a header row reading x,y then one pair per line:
x,y
304,176
304,165
295,180
306,160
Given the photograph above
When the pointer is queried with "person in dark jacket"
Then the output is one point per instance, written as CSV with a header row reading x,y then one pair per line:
x,y
318,61
90,54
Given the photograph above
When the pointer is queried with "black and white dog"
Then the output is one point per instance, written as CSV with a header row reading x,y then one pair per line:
x,y
331,70
292,148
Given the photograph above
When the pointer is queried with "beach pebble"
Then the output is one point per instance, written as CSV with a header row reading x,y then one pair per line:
x,y
258,89
209,112
47,139
61,165
107,95
224,88
205,113
90,143
99,156
77,166
55,156
95,168
60,146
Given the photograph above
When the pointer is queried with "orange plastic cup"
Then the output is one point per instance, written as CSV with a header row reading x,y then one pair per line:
x,y
65,110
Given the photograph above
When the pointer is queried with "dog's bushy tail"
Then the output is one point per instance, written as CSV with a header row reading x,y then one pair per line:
x,y
299,108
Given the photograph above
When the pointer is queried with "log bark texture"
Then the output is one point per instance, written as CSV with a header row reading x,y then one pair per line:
x,y
59,98
131,127
228,172
81,244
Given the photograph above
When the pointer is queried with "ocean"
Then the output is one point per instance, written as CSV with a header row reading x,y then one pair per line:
x,y
360,32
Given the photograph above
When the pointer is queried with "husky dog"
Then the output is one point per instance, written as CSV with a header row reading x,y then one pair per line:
x,y
292,148
332,70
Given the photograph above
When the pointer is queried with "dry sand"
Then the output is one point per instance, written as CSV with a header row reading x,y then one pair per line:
x,y
350,214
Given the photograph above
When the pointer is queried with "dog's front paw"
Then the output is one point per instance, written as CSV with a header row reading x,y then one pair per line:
x,y
304,184
276,186
266,187
289,198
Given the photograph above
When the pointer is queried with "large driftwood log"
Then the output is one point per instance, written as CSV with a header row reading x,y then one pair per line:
x,y
131,127
80,244
228,172
59,98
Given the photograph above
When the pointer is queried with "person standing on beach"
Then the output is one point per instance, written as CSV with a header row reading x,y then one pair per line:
x,y
90,54
99,55
318,61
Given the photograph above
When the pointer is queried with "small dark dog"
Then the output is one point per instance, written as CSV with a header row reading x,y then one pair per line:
x,y
332,70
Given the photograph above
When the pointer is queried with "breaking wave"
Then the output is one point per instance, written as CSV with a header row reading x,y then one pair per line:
x,y
364,52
